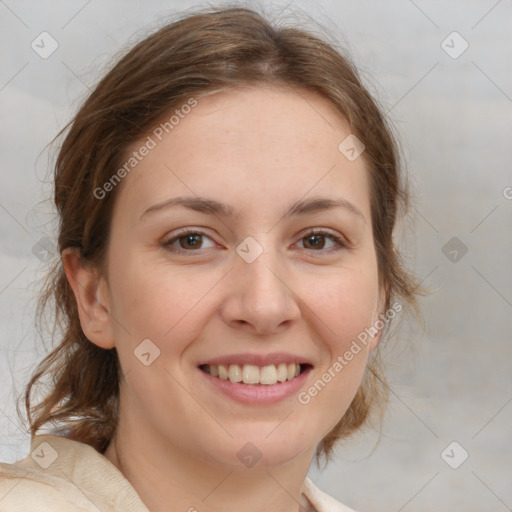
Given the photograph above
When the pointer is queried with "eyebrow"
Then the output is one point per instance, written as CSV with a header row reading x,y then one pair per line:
x,y
213,207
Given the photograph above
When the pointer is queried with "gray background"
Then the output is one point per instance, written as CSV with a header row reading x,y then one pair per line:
x,y
452,383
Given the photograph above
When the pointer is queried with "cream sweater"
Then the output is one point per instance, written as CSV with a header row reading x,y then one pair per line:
x,y
67,476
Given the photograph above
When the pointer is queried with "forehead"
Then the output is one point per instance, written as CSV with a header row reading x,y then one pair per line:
x,y
252,147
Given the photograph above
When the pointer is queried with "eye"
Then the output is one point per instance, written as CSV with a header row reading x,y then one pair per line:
x,y
191,240
316,241
187,241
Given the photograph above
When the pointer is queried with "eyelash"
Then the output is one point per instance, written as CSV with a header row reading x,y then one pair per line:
x,y
340,242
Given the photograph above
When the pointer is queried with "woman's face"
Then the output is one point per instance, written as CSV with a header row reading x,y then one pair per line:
x,y
251,287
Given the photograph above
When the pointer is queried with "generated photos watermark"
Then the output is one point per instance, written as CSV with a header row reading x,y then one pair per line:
x,y
150,143
363,338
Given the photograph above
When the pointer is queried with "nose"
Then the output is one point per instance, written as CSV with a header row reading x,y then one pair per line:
x,y
261,297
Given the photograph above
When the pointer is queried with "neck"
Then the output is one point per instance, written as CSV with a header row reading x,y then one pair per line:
x,y
163,474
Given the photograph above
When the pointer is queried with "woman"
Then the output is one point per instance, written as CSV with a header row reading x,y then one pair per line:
x,y
227,196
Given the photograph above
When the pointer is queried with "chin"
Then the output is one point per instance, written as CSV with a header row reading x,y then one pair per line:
x,y
259,451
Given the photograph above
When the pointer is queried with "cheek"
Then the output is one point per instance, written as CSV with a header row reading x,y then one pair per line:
x,y
346,305
169,307
158,301
346,311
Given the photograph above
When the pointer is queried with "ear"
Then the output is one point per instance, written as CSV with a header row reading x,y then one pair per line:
x,y
379,310
91,298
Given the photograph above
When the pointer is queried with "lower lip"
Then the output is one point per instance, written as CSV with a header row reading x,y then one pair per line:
x,y
258,393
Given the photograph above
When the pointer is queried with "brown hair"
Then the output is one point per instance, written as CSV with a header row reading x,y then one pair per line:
x,y
215,49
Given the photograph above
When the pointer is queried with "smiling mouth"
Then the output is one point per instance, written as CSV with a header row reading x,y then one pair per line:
x,y
255,375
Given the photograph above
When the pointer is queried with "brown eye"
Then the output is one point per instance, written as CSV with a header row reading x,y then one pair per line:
x,y
189,241
316,241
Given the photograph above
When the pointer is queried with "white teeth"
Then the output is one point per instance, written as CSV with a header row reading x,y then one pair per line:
x,y
235,373
223,371
282,372
268,375
291,371
252,374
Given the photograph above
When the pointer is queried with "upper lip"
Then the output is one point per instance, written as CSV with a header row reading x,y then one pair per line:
x,y
257,359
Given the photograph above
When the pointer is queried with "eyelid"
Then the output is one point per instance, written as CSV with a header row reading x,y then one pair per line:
x,y
184,232
341,242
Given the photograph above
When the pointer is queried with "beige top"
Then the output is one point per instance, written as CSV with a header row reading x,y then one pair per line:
x,y
60,474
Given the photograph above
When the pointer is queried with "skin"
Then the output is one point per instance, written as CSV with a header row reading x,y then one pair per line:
x,y
258,149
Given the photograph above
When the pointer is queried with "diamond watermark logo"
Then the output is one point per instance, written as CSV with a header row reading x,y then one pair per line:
x,y
146,352
249,249
454,455
351,147
44,250
249,455
45,455
44,45
454,45
454,249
